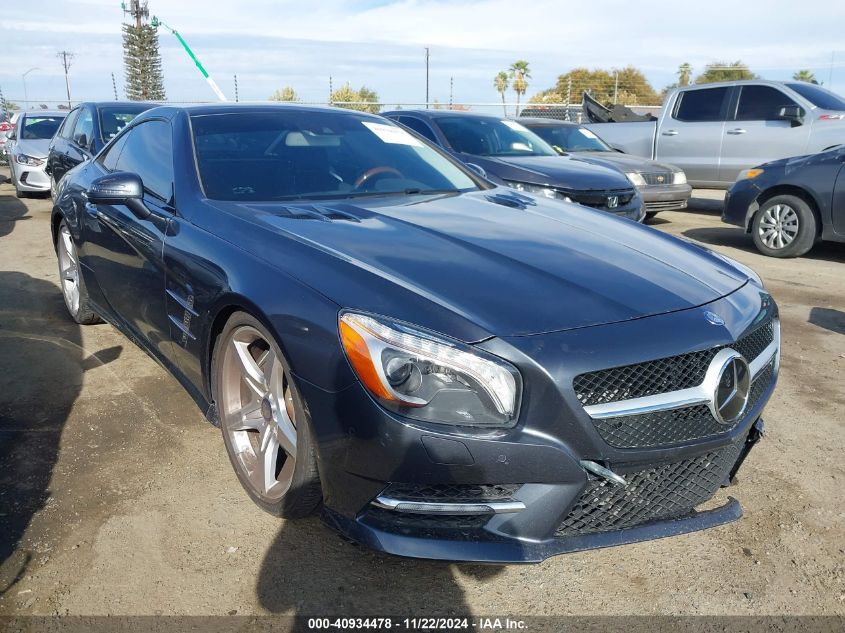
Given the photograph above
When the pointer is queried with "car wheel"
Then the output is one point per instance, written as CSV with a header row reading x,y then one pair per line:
x,y
73,285
650,215
785,226
265,424
52,189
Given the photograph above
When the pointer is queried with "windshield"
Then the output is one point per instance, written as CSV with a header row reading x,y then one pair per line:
x,y
569,138
114,118
492,137
292,155
818,96
35,127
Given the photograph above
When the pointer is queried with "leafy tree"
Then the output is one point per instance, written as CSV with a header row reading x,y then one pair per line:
x,y
722,71
805,75
142,63
520,73
633,87
285,94
363,99
501,82
684,74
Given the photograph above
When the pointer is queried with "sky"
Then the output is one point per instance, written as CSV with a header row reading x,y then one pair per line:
x,y
380,43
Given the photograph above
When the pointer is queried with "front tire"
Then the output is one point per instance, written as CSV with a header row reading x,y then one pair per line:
x,y
650,215
265,424
785,226
70,276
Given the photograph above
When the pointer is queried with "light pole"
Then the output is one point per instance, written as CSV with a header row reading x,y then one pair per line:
x,y
25,95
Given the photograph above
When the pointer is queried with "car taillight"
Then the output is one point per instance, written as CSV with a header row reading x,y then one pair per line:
x,y
831,117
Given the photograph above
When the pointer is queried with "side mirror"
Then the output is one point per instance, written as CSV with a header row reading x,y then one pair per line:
x,y
478,169
122,188
81,140
11,134
791,113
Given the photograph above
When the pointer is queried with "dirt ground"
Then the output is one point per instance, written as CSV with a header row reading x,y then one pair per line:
x,y
116,497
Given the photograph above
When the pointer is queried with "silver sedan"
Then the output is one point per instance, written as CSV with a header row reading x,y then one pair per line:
x,y
28,143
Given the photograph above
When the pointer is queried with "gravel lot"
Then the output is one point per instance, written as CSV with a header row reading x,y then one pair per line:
x,y
116,497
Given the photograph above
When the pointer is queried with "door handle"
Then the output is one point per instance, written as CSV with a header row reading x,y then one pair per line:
x,y
670,133
736,131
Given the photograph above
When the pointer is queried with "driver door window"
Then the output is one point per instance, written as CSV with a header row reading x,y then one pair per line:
x,y
147,151
761,103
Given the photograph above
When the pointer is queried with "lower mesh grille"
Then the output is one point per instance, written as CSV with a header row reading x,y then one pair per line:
x,y
666,205
661,492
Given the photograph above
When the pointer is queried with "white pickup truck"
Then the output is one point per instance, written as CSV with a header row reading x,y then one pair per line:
x,y
714,131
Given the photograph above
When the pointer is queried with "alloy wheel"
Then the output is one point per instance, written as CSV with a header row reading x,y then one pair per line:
x,y
257,413
778,226
69,269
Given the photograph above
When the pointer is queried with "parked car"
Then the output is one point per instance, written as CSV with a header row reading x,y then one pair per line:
x,y
508,153
5,128
456,369
28,143
714,131
663,187
87,128
790,204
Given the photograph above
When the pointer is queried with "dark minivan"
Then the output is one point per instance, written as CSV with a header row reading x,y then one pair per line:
x,y
85,131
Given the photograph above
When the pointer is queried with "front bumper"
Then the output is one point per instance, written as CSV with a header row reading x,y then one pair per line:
x,y
33,179
665,197
539,499
741,203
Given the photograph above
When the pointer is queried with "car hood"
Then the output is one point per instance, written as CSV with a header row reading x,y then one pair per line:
x,y
507,263
36,148
625,162
558,171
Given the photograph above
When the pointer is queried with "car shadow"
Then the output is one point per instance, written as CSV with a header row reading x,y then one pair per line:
x,y
41,372
311,570
828,318
12,211
735,237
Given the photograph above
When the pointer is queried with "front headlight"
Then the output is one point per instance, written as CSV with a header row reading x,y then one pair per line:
x,y
422,375
539,190
680,178
30,161
636,178
748,174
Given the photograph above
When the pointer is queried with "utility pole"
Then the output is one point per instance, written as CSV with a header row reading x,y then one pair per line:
x,y
451,90
426,77
616,87
331,90
568,96
114,86
236,88
66,56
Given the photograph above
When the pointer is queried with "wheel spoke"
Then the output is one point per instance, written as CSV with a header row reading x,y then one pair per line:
x,y
267,457
247,417
251,373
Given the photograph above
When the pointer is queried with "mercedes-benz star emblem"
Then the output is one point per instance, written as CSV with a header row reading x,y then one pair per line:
x,y
713,318
731,394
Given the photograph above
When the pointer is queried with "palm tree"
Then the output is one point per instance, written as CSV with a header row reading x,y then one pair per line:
x,y
805,75
684,74
519,72
501,82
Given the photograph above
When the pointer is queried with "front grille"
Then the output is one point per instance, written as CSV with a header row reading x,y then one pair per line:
x,y
451,493
660,492
598,199
658,178
666,205
662,375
